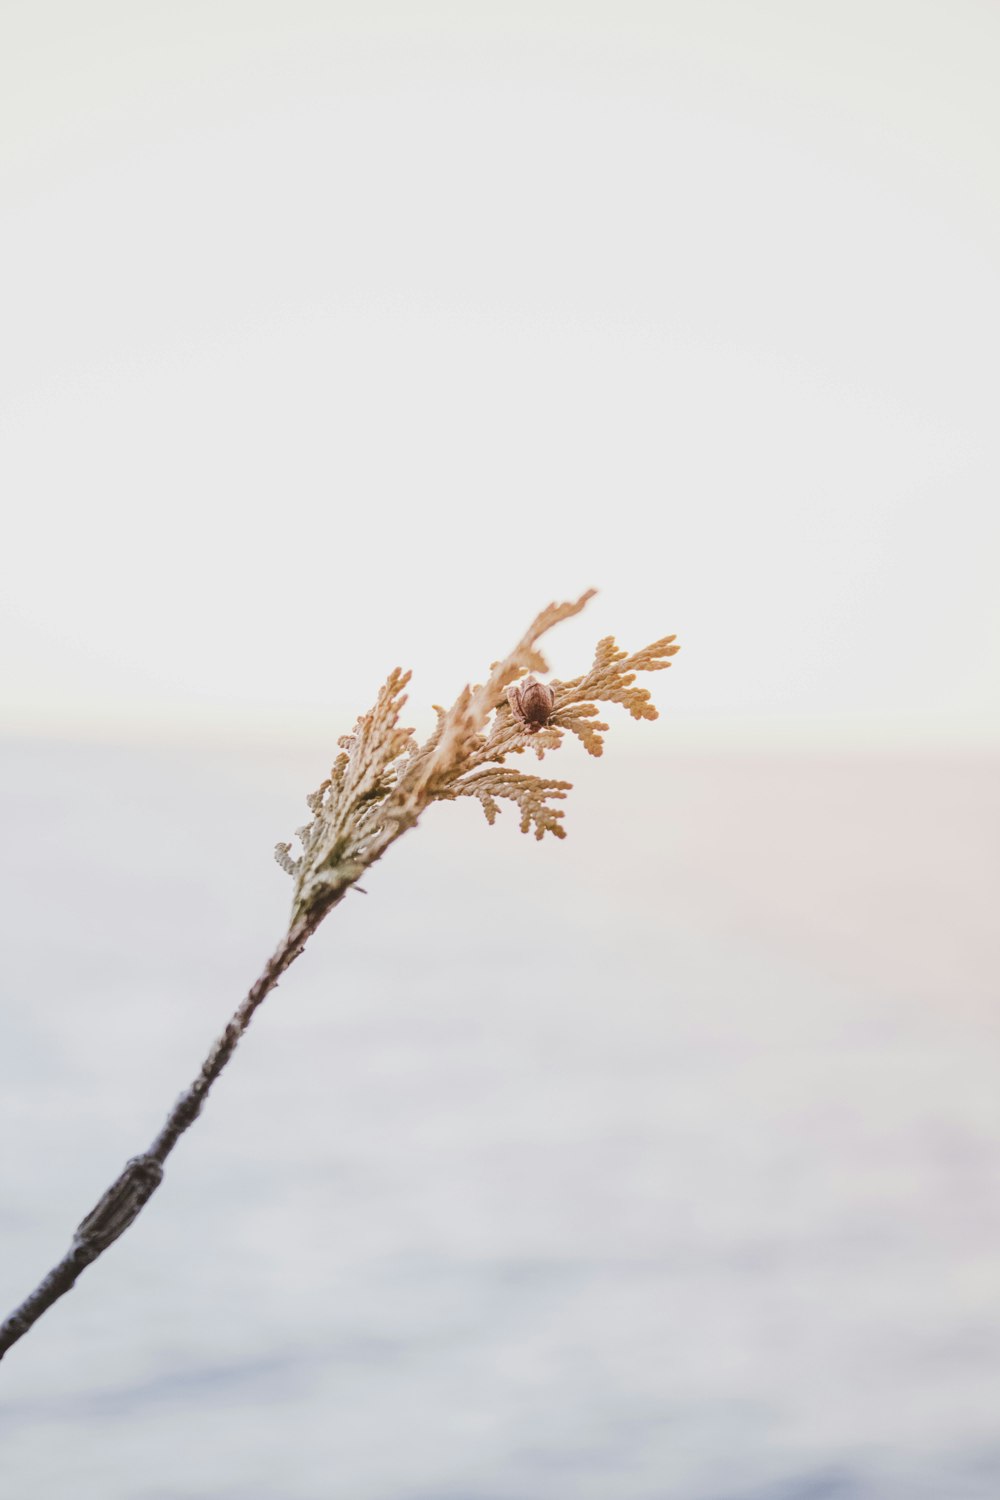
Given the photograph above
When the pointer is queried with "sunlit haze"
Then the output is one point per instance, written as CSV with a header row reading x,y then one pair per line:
x,y
337,336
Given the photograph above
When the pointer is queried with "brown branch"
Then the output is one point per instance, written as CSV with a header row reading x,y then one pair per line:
x,y
375,792
128,1195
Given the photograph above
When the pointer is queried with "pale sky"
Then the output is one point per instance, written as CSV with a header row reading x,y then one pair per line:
x,y
336,336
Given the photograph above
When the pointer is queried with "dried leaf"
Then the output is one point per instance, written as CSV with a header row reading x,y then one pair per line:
x,y
382,780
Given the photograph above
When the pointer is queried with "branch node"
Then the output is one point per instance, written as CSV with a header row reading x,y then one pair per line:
x,y
119,1206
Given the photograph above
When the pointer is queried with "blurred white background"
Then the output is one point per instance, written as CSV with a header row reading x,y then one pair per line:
x,y
339,333
661,1164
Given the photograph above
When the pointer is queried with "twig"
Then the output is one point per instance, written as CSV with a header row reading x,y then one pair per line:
x,y
128,1195
376,790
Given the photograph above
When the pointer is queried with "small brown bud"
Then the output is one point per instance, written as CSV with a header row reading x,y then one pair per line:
x,y
531,702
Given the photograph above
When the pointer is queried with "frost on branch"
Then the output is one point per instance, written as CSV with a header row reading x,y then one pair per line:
x,y
382,780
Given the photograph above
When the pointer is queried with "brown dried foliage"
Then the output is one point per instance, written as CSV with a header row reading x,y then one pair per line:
x,y
383,779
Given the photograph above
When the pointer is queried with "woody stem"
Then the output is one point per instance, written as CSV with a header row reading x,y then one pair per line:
x,y
125,1199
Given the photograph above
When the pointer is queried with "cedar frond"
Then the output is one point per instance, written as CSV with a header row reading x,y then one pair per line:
x,y
581,720
531,794
345,807
377,788
610,680
383,779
